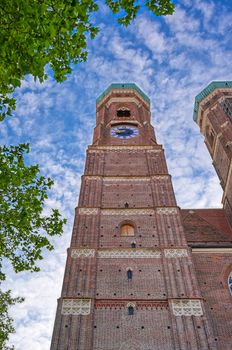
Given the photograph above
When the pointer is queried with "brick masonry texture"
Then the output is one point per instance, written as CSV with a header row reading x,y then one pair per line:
x,y
212,274
126,181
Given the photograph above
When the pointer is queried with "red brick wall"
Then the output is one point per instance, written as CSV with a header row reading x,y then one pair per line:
x,y
212,273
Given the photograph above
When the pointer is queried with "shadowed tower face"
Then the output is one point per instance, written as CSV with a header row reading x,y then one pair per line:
x,y
213,114
129,280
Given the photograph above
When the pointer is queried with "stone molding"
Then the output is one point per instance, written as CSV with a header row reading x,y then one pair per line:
x,y
82,253
88,211
127,178
212,250
101,149
76,307
175,253
127,212
167,211
138,304
129,253
160,177
87,177
187,307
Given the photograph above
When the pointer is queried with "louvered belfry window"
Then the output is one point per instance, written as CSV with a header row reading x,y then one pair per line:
x,y
127,230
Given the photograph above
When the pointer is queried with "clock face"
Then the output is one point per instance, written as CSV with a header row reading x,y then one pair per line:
x,y
124,131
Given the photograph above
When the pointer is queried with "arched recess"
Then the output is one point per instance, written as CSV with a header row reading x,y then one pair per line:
x,y
127,229
131,345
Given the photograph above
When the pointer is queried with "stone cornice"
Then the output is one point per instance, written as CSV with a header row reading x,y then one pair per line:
x,y
157,148
211,250
123,89
127,178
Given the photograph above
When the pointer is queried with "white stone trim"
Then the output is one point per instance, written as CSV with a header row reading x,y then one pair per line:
x,y
154,150
129,253
88,211
87,177
123,99
167,211
126,212
76,307
82,253
175,253
160,177
131,304
212,250
124,147
126,179
187,307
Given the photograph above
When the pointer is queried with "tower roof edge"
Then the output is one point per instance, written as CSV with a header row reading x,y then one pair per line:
x,y
207,91
121,86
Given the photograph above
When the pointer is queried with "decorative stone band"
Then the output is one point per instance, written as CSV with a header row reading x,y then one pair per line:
x,y
138,304
143,211
128,179
167,211
92,177
187,307
129,253
82,253
175,253
88,211
76,307
124,147
127,212
119,149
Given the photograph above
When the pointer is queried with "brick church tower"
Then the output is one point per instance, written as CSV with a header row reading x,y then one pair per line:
x,y
130,281
213,114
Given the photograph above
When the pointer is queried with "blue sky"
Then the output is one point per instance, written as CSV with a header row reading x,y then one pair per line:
x,y
171,59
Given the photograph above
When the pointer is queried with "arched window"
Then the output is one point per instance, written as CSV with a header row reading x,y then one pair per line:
x,y
126,205
130,310
127,230
230,282
133,245
129,274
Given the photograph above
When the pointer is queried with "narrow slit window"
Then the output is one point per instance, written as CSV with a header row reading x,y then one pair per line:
x,y
129,274
130,310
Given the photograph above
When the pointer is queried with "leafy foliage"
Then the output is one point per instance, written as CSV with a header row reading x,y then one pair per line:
x,y
6,322
24,229
35,33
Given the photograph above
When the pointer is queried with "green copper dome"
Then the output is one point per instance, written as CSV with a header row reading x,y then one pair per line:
x,y
126,86
208,90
